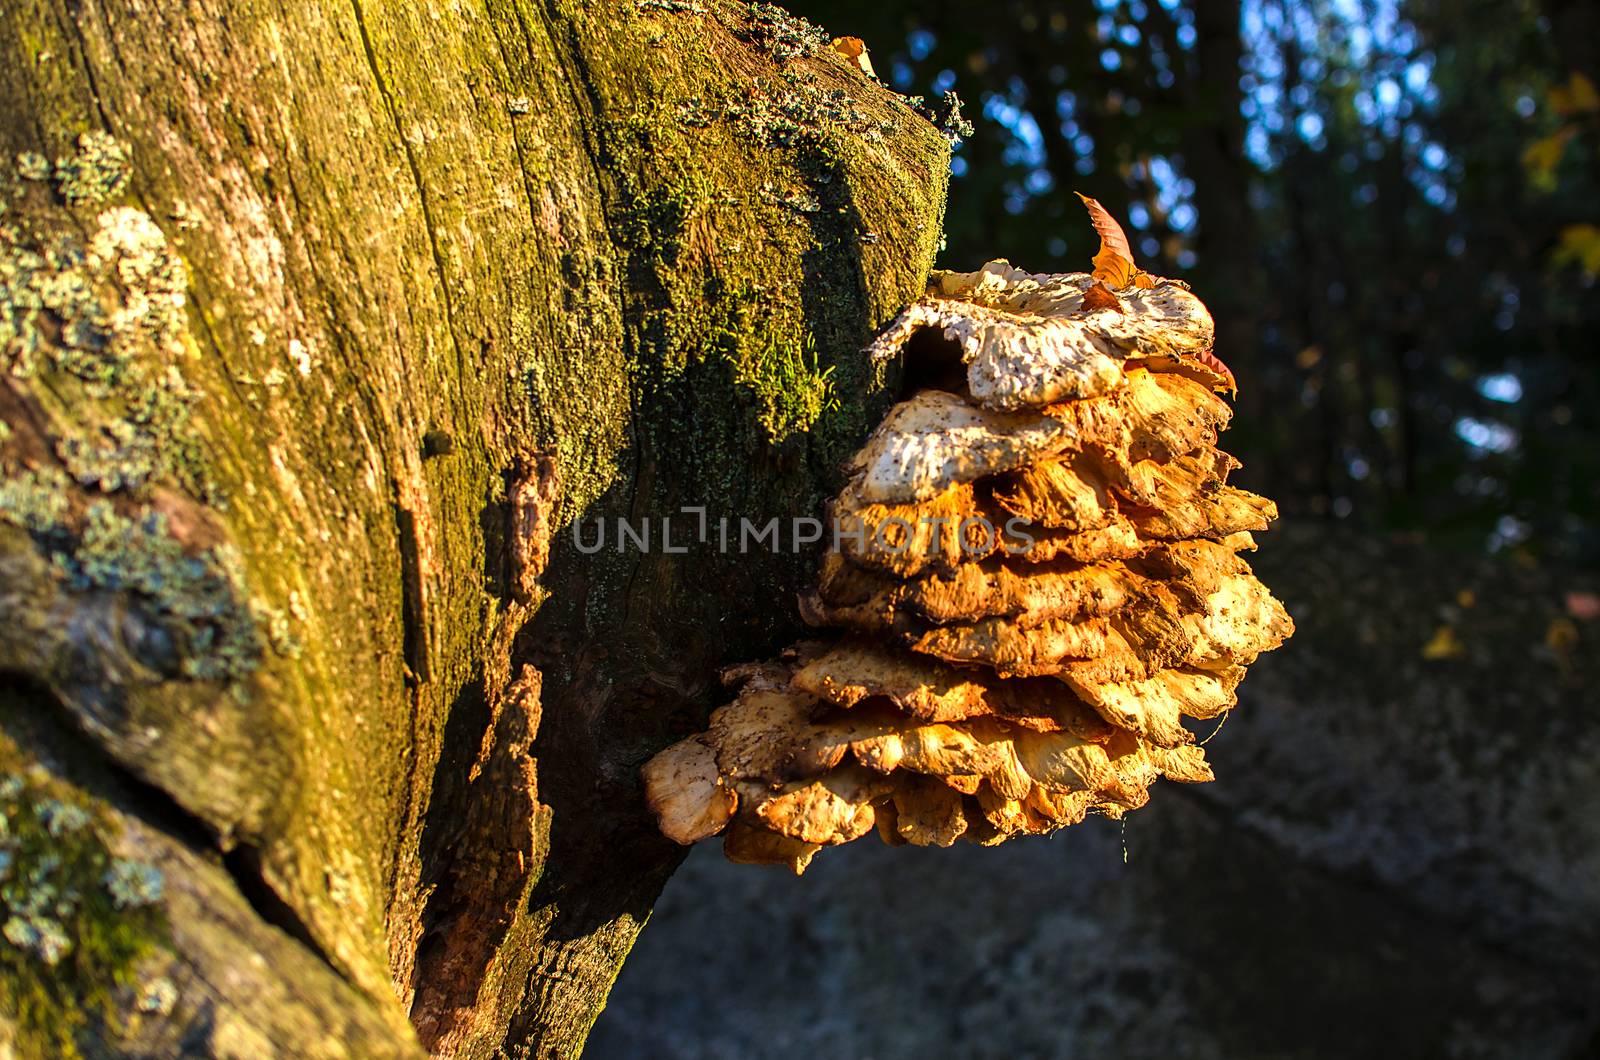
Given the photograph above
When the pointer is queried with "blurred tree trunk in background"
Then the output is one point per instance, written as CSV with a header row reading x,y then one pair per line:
x,y
1389,207
318,322
1575,29
1213,153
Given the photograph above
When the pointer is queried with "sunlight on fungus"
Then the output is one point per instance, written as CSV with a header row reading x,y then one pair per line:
x,y
1037,577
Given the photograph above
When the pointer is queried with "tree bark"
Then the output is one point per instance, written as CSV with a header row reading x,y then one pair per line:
x,y
323,324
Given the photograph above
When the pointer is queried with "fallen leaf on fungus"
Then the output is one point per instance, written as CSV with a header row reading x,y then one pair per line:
x,y
1113,263
1098,297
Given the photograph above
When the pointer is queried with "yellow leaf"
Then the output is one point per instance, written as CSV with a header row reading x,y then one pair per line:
x,y
1577,96
855,49
1113,262
1113,265
1543,155
1112,269
1561,636
1444,645
1580,245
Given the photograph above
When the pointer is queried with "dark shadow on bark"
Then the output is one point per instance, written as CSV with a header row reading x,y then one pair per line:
x,y
36,719
630,643
494,830
833,267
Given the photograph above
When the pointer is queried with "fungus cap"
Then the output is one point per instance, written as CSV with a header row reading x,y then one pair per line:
x,y
1027,339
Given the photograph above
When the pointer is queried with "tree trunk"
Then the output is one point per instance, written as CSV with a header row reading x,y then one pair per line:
x,y
322,325
1214,158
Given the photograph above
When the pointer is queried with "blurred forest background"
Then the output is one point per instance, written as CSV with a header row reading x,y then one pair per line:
x,y
1391,208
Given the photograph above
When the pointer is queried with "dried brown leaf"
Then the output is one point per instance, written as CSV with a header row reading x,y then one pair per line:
x,y
1097,297
855,50
1114,262
1112,237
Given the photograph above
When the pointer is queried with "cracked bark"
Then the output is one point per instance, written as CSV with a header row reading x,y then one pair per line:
x,y
458,275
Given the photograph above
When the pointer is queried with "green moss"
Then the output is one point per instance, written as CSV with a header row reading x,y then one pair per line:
x,y
703,310
74,918
653,222
792,392
772,358
748,277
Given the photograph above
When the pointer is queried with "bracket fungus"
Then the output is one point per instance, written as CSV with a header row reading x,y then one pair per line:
x,y
1037,576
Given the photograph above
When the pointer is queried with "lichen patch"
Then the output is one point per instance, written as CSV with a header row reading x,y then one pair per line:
x,y
75,919
101,322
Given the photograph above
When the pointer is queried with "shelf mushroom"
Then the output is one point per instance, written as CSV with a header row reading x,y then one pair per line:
x,y
1038,574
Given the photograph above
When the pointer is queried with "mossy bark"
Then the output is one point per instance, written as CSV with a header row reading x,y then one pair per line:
x,y
277,590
